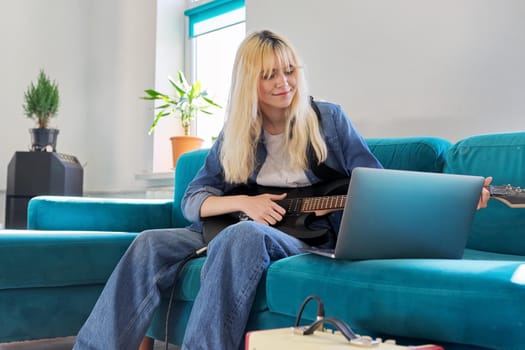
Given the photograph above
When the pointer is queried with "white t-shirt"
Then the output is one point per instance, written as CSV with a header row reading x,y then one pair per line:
x,y
275,171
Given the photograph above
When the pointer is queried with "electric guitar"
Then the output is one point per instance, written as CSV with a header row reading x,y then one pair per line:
x,y
301,203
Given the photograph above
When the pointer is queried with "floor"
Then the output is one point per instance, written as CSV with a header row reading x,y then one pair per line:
x,y
59,344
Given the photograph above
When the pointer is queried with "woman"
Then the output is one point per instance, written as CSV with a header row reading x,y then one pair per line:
x,y
272,137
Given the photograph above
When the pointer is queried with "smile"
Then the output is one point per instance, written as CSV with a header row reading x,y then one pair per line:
x,y
284,93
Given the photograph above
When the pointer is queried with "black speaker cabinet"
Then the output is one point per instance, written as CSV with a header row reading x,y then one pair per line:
x,y
31,174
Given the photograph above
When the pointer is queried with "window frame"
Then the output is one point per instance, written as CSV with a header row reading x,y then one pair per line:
x,y
211,9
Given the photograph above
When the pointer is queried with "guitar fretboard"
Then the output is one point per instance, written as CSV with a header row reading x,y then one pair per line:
x,y
309,204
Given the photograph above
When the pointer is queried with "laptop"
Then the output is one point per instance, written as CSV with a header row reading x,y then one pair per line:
x,y
392,214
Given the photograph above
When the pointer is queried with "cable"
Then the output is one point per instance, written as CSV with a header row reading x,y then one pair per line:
x,y
338,324
320,309
195,254
321,320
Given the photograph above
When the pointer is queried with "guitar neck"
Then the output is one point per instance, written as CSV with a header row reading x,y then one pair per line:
x,y
297,206
513,197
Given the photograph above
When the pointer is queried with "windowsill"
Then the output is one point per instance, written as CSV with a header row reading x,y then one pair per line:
x,y
158,185
163,179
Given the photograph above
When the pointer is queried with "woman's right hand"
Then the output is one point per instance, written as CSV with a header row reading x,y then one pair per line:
x,y
263,208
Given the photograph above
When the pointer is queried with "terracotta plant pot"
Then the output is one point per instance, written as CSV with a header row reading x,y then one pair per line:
x,y
183,144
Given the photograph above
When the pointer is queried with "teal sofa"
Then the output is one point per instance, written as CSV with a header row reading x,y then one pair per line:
x,y
53,272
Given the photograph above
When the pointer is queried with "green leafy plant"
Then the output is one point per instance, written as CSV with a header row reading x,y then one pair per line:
x,y
186,103
41,101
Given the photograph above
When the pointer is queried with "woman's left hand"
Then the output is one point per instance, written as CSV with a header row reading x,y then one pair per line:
x,y
485,194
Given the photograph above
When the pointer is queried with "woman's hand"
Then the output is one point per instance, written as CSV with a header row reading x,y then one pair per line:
x,y
485,194
263,208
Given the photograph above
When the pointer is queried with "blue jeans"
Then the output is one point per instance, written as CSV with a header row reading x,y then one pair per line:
x,y
237,259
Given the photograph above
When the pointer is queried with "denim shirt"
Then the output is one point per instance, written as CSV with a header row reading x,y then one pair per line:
x,y
346,150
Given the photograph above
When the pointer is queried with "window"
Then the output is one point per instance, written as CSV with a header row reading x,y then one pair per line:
x,y
216,28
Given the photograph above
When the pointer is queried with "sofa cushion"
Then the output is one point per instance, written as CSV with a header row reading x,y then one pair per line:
x,y
36,259
444,300
410,153
74,213
497,228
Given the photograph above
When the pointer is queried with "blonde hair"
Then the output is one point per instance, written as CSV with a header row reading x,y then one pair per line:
x,y
243,125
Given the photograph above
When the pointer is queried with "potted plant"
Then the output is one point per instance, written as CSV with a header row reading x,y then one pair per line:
x,y
185,104
41,104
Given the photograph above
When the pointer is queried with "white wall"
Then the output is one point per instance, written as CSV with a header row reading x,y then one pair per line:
x,y
121,64
449,68
171,53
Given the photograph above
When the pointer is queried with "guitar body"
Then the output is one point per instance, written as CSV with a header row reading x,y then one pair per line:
x,y
296,221
296,226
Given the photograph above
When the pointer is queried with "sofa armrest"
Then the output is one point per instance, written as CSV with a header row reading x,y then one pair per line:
x,y
98,214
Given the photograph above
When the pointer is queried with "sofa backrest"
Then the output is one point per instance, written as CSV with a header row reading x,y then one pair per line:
x,y
187,167
497,228
411,153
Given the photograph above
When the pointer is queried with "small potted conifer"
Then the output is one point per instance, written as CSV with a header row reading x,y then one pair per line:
x,y
41,104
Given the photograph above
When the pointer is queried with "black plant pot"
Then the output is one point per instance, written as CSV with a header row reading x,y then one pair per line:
x,y
44,139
